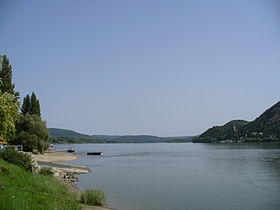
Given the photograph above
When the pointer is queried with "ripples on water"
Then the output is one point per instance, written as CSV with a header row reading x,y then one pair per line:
x,y
184,176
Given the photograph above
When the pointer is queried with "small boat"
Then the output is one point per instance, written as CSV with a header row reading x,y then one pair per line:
x,y
70,150
94,153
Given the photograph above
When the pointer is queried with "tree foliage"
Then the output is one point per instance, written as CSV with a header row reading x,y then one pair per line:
x,y
35,105
6,77
29,129
31,105
8,100
25,108
8,115
32,133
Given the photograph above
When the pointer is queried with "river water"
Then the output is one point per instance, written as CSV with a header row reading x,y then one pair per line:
x,y
164,176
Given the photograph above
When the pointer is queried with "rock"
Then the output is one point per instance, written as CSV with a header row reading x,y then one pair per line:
x,y
35,166
56,174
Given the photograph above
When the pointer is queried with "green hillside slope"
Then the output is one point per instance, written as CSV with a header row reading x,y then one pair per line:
x,y
265,128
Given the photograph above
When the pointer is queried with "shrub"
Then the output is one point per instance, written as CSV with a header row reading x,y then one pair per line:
x,y
46,171
93,197
23,160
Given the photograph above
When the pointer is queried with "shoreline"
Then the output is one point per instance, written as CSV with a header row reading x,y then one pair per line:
x,y
56,156
56,160
64,173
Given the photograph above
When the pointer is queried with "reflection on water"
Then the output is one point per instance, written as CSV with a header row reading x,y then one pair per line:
x,y
184,176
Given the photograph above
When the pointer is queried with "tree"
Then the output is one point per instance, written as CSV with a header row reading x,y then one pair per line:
x,y
34,105
31,133
31,105
6,77
25,108
8,115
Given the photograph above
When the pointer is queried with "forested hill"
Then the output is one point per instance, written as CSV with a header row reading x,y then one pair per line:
x,y
265,128
68,136
57,132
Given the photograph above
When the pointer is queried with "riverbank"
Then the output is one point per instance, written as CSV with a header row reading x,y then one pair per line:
x,y
65,172
56,160
56,156
21,189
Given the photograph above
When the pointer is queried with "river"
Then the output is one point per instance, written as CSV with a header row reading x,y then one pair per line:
x,y
182,176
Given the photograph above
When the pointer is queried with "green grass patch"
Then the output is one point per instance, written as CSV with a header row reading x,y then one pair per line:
x,y
46,171
94,197
20,189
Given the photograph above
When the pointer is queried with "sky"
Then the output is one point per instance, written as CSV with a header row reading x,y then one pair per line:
x,y
155,67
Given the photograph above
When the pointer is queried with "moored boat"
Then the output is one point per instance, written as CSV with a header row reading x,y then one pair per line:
x,y
70,150
94,153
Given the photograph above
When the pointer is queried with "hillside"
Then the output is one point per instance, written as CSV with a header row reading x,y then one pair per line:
x,y
68,136
57,132
140,138
264,128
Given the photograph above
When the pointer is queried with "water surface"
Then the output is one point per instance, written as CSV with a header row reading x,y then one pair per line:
x,y
184,176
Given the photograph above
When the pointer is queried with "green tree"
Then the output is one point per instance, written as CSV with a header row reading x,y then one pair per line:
x,y
25,108
8,115
6,77
31,133
38,109
34,105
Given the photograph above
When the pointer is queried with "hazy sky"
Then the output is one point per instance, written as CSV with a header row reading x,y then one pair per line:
x,y
160,67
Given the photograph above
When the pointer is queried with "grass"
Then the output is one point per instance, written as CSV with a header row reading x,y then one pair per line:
x,y
20,189
46,171
94,197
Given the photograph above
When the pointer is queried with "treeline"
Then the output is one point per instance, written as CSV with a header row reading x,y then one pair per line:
x,y
71,140
20,125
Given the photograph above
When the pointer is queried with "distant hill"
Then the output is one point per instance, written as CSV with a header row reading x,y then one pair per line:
x,y
140,137
131,138
265,128
68,136
57,132
221,132
270,117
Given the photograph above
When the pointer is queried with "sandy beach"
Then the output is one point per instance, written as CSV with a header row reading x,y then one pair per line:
x,y
56,157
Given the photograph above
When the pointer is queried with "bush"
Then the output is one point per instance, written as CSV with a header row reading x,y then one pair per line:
x,y
46,171
94,197
23,160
